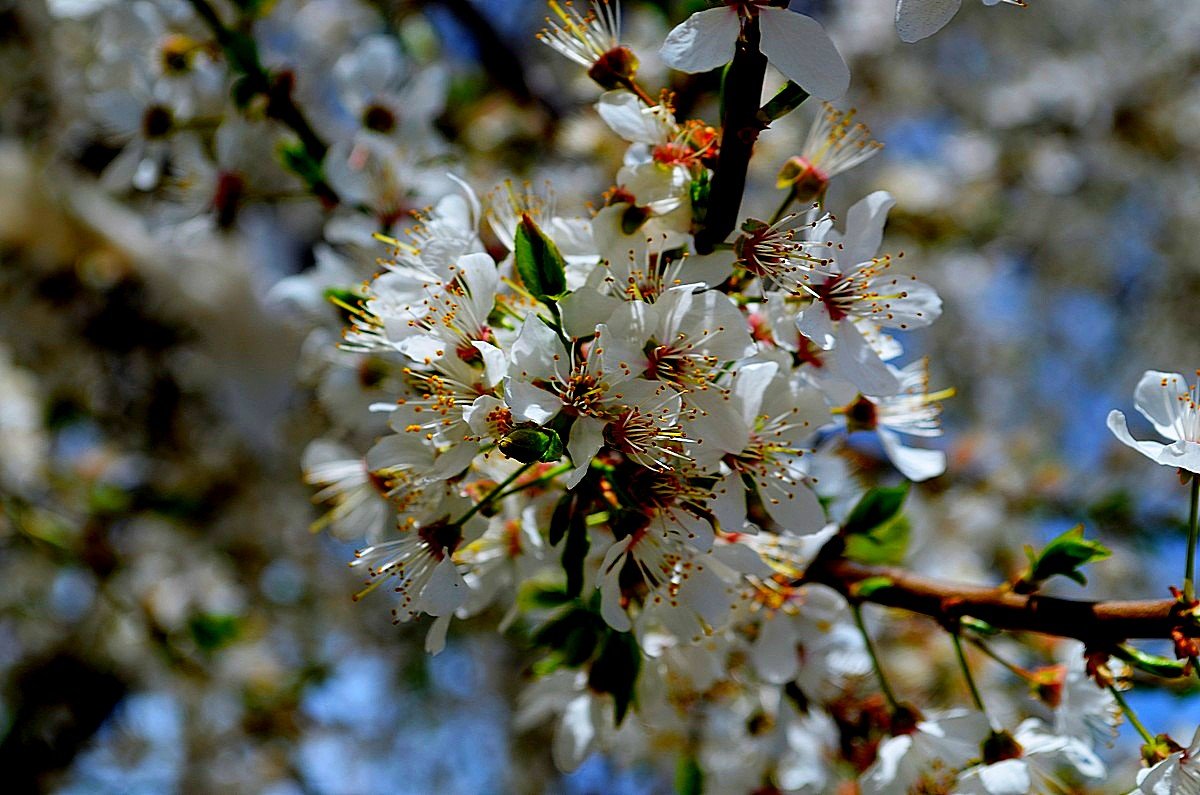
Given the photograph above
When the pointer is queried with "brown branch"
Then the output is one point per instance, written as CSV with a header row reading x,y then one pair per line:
x,y
739,131
1095,623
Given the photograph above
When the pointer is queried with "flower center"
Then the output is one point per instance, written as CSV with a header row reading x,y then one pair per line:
x,y
378,118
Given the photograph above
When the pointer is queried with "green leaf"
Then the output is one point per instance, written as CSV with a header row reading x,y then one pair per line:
x,y
560,519
297,160
535,596
572,638
538,261
574,551
786,100
877,506
615,671
700,188
886,545
876,532
211,631
1064,556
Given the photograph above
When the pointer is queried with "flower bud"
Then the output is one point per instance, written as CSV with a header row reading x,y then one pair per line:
x,y
806,180
528,445
1159,749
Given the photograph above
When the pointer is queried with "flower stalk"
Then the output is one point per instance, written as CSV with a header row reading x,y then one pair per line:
x,y
884,686
976,698
494,494
1130,715
1189,579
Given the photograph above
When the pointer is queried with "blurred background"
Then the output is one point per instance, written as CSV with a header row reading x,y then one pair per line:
x,y
168,622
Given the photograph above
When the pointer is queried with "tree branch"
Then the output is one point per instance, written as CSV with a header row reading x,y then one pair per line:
x,y
241,52
739,131
1095,623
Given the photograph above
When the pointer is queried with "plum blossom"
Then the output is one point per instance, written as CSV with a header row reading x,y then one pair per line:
x,y
835,143
858,293
1044,756
929,755
1171,406
913,411
795,44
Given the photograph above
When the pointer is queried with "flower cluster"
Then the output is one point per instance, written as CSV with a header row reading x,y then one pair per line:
x,y
644,448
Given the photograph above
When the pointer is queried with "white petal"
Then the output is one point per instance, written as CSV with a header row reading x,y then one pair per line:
x,y
920,305
799,512
742,558
860,364
915,463
774,653
1008,777
586,439
624,113
884,775
495,364
530,403
575,734
699,532
401,450
435,639
864,227
1157,398
537,352
584,309
1120,429
709,269
799,47
703,41
916,19
813,322
729,503
610,587
445,592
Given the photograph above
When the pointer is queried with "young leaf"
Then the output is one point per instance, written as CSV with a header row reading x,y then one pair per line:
x,y
560,519
574,551
876,532
1064,555
876,507
538,261
885,545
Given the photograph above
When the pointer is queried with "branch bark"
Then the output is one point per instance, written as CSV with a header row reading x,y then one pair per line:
x,y
739,131
1097,624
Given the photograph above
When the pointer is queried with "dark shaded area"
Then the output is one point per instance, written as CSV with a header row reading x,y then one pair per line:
x,y
60,702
